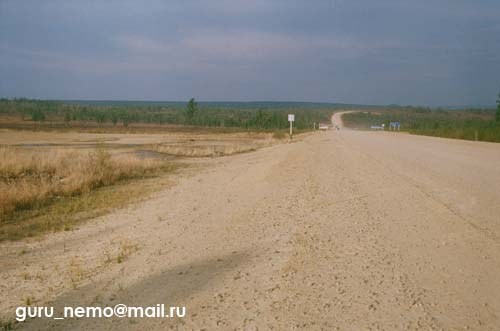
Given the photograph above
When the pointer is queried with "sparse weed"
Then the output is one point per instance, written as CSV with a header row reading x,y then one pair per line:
x,y
126,249
28,301
279,135
76,272
6,325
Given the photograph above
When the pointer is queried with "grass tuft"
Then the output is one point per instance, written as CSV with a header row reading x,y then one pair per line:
x,y
6,325
279,135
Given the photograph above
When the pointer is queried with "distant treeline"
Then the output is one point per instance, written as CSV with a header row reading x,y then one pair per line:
x,y
265,116
469,124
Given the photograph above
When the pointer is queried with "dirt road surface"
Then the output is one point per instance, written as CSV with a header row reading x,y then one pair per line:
x,y
345,230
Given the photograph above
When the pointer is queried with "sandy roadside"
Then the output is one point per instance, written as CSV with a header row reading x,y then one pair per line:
x,y
344,230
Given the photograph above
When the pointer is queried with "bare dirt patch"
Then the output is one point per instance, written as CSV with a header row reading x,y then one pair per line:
x,y
50,181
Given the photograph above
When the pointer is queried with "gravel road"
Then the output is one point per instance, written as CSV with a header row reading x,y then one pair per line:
x,y
344,230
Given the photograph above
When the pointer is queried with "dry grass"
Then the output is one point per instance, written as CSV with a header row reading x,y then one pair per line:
x,y
212,145
203,150
280,135
127,248
53,181
30,179
66,212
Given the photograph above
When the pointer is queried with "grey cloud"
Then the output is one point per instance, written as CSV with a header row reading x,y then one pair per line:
x,y
391,50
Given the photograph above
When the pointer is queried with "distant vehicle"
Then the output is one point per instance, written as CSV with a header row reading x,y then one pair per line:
x,y
324,127
377,127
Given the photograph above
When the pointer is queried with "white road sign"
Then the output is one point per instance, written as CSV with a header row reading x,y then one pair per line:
x,y
291,117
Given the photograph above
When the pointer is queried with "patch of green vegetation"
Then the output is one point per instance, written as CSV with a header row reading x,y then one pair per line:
x,y
472,124
497,115
259,116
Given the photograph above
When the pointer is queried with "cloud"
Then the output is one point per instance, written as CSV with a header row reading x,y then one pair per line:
x,y
142,44
201,50
79,63
224,44
291,45
238,45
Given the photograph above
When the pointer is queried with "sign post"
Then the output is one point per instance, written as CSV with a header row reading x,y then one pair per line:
x,y
291,119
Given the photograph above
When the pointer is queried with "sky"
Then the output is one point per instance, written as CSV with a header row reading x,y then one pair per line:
x,y
425,52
